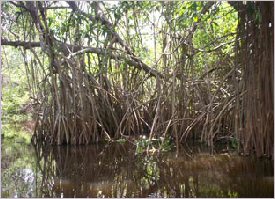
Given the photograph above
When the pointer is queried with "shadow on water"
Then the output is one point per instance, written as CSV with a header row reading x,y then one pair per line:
x,y
115,171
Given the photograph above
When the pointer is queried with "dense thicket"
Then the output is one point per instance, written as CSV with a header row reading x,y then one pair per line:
x,y
201,70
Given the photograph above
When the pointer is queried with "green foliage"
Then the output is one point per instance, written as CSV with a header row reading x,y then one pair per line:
x,y
234,143
121,141
14,97
15,89
15,133
154,145
215,28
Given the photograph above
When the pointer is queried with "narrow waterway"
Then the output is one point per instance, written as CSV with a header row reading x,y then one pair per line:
x,y
115,171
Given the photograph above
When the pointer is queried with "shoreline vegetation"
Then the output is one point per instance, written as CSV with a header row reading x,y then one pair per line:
x,y
155,74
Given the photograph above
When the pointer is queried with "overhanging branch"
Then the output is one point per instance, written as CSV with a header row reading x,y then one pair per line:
x,y
24,44
73,50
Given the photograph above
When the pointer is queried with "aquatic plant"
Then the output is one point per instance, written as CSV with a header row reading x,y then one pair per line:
x,y
144,144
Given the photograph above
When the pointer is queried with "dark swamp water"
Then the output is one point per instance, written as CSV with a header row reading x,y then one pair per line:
x,y
115,171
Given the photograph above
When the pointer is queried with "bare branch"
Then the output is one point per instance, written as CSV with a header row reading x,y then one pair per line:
x,y
25,44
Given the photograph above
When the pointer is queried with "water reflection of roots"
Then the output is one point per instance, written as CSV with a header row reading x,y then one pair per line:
x,y
113,170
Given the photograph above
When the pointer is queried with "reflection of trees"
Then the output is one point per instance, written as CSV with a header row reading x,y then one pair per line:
x,y
46,167
83,170
18,170
113,171
257,181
